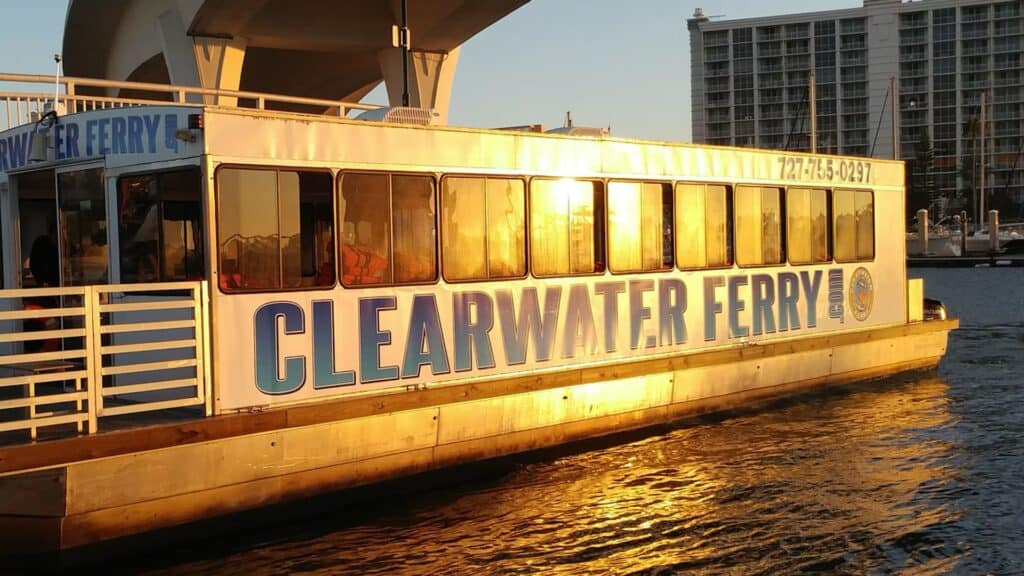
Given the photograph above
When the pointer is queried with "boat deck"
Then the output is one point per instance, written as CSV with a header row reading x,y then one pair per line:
x,y
144,431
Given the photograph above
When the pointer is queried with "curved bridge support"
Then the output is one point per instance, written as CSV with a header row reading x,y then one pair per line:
x,y
430,78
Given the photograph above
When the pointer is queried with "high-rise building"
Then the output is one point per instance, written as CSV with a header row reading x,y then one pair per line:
x,y
751,79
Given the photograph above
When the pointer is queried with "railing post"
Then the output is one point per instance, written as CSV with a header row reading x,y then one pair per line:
x,y
203,319
94,355
197,314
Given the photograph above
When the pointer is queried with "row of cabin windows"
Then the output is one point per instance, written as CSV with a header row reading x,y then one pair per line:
x,y
276,227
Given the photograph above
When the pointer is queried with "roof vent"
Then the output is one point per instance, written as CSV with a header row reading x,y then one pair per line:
x,y
592,131
402,115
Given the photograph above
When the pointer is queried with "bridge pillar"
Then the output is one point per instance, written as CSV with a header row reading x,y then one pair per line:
x,y
177,48
219,62
214,63
430,78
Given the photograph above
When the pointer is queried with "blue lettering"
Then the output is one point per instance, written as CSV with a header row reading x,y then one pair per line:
x,y
135,135
789,295
763,289
371,338
579,323
17,147
736,305
90,135
610,291
711,306
58,142
104,132
324,375
671,306
3,156
152,124
170,127
424,327
811,288
268,350
118,132
638,313
472,336
71,141
518,332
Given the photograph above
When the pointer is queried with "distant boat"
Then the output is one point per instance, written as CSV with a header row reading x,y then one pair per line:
x,y
946,241
979,241
942,242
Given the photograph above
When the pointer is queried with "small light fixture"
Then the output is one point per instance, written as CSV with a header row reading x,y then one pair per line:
x,y
41,137
185,135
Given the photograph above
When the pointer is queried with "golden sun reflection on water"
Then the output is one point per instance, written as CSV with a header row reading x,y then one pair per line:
x,y
851,481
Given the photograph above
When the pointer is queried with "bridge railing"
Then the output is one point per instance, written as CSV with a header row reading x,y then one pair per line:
x,y
81,94
70,357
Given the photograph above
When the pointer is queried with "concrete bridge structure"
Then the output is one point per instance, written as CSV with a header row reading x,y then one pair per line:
x,y
329,49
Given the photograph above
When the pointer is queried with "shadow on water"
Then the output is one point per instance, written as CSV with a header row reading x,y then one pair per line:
x,y
918,474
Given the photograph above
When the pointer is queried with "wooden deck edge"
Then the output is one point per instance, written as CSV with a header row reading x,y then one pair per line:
x,y
26,457
161,513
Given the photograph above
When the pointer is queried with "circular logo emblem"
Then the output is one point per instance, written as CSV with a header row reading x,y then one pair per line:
x,y
862,294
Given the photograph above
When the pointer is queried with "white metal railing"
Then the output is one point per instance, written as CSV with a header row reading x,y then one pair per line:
x,y
75,355
44,347
18,108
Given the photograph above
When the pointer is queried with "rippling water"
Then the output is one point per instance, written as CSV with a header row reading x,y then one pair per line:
x,y
921,475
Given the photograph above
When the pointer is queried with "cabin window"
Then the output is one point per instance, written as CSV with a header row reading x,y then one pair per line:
x,y
275,229
160,227
853,225
639,226
83,213
37,224
807,226
703,233
758,224
387,229
484,228
566,227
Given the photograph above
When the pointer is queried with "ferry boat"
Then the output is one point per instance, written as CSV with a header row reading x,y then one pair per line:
x,y
212,309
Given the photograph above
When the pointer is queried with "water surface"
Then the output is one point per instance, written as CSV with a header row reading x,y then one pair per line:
x,y
919,475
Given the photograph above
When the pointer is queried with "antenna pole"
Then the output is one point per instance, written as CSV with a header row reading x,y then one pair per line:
x,y
895,108
814,117
981,211
56,82
405,52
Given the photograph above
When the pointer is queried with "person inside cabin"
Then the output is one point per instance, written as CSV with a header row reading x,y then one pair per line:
x,y
44,262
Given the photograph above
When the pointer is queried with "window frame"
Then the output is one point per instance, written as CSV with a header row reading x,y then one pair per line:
x,y
203,244
874,228
828,232
217,228
783,249
600,250
730,238
608,236
442,275
435,181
